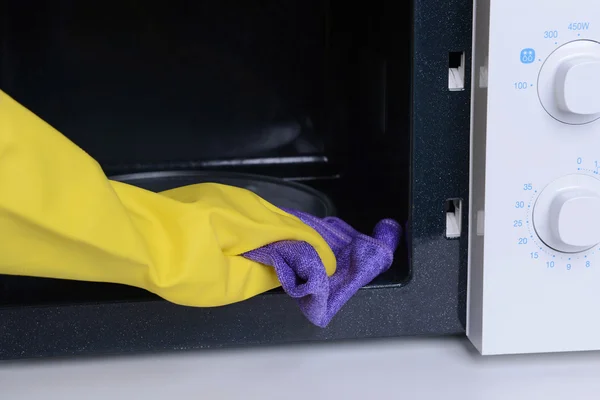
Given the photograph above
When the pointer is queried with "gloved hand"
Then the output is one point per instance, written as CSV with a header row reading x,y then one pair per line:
x,y
60,217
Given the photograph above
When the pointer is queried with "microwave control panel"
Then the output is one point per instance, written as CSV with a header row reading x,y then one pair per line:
x,y
534,231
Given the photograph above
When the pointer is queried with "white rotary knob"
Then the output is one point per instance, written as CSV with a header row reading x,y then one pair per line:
x,y
566,215
569,82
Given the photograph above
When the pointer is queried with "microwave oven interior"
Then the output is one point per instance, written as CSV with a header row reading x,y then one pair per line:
x,y
351,99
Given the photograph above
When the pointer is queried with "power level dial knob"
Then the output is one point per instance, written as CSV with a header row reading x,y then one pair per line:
x,y
566,215
569,82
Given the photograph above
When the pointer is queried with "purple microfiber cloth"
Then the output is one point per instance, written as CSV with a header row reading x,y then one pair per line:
x,y
360,258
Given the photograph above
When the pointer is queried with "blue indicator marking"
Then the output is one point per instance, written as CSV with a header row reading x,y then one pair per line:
x,y
527,56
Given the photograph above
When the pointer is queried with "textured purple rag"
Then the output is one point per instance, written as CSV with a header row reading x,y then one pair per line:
x,y
360,258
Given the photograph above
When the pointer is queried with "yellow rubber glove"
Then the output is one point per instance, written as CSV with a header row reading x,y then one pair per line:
x,y
60,217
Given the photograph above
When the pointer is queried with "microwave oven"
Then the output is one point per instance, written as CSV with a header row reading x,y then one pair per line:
x,y
366,103
422,111
533,241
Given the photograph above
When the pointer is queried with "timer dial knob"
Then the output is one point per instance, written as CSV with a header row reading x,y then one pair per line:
x,y
566,215
569,82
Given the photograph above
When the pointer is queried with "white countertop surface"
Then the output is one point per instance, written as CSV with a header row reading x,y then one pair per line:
x,y
446,368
